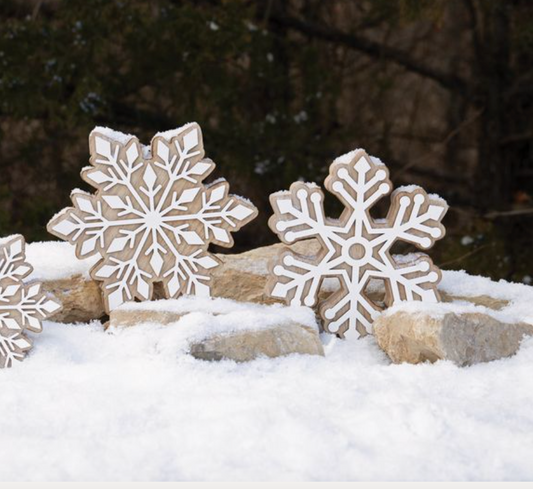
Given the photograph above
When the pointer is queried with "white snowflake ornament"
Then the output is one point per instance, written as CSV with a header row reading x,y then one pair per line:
x,y
356,247
151,219
22,307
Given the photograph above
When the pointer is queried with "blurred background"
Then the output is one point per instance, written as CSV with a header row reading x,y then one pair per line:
x,y
441,91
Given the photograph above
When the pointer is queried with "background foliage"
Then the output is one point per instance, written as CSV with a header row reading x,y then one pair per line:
x,y
441,90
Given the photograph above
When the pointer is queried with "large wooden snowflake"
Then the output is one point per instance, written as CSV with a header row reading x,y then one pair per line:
x,y
355,248
151,219
22,307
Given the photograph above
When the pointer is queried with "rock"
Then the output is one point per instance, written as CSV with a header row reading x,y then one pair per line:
x,y
80,297
236,334
243,276
478,300
240,277
464,339
124,317
272,342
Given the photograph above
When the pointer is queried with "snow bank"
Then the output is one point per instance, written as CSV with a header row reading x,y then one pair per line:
x,y
87,405
54,260
459,283
203,317
132,405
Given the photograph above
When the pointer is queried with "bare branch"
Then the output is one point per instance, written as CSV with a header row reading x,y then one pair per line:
x,y
372,48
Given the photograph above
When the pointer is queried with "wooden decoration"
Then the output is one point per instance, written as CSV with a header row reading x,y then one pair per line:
x,y
356,247
22,307
151,219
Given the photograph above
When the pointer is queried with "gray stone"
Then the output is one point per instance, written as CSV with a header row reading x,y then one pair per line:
x,y
273,342
240,277
464,339
80,297
241,345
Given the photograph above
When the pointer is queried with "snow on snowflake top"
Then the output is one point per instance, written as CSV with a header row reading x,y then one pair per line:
x,y
22,307
151,219
356,247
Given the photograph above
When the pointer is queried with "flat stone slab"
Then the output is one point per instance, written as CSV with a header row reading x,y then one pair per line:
x,y
240,277
80,297
244,346
228,329
463,338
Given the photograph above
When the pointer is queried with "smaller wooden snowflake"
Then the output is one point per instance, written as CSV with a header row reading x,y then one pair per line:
x,y
22,307
151,219
355,248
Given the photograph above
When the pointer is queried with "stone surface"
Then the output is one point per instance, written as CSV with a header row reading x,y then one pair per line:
x,y
464,339
272,342
124,318
240,277
80,297
478,300
241,345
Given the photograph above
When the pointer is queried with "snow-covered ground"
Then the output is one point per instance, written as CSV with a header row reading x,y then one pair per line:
x,y
133,405
91,405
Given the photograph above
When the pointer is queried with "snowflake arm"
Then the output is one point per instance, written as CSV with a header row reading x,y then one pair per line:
x,y
299,214
151,218
13,347
189,275
13,267
220,213
414,217
182,157
356,248
412,280
348,310
22,307
298,278
358,181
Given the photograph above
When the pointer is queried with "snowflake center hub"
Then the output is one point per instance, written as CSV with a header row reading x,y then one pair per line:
x,y
153,219
356,250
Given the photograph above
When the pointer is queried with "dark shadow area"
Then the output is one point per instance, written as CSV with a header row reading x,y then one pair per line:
x,y
441,91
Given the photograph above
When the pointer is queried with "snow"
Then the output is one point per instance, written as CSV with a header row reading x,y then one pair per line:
x,y
89,405
458,282
436,198
439,309
287,193
347,158
217,181
55,260
124,138
172,133
516,307
117,136
408,188
204,316
131,404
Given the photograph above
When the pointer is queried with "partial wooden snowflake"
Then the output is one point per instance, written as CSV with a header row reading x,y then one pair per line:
x,y
151,219
355,248
22,307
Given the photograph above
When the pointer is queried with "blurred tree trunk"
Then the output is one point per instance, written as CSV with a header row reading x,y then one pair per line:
x,y
486,88
490,22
